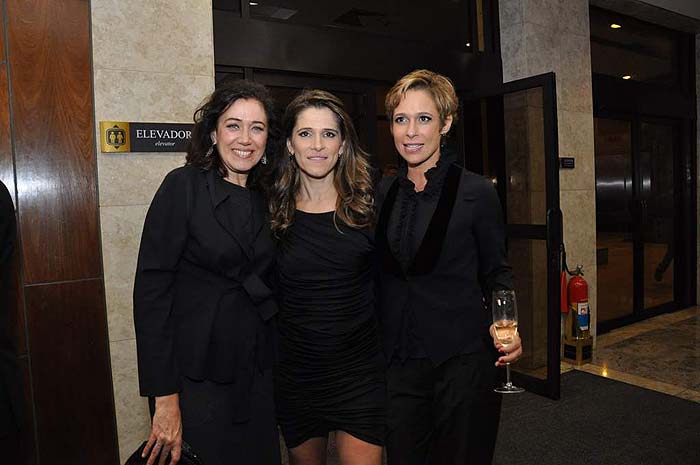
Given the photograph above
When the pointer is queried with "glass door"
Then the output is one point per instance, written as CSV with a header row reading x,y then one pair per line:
x,y
616,205
509,134
656,174
636,213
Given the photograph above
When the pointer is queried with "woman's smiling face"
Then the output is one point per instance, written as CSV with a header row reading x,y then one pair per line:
x,y
241,136
316,142
417,129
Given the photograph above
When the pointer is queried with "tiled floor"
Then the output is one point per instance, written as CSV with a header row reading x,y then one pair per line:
x,y
661,353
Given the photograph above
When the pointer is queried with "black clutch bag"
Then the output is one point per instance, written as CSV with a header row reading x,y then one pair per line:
x,y
187,456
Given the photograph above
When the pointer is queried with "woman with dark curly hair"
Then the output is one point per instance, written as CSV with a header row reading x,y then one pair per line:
x,y
202,308
330,373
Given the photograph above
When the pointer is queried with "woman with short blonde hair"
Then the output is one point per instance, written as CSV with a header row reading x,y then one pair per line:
x,y
441,244
438,86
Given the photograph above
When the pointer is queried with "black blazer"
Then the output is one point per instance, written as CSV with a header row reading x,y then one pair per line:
x,y
202,307
461,259
10,389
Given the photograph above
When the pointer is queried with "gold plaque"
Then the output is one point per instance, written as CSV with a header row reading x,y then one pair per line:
x,y
114,136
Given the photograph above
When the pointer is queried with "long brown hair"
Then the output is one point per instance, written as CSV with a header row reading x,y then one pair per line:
x,y
352,175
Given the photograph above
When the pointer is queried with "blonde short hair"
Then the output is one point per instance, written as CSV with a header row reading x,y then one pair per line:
x,y
439,86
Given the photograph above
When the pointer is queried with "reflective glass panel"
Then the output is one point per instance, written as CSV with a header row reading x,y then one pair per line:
x,y
528,258
614,221
656,170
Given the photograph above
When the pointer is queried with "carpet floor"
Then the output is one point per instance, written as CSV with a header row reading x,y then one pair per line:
x,y
598,421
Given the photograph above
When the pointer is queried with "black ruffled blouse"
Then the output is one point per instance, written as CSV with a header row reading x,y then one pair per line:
x,y
407,225
413,210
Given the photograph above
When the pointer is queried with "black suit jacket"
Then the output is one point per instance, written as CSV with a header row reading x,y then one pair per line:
x,y
202,308
461,259
9,374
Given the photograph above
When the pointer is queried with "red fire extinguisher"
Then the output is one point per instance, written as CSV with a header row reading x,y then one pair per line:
x,y
564,302
577,291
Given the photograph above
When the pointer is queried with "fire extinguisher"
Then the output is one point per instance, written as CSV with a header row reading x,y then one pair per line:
x,y
564,302
577,291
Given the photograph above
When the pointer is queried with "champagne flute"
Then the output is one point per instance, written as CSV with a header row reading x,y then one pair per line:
x,y
505,320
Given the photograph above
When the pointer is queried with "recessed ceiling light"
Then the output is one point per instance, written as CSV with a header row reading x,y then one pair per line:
x,y
253,3
469,44
615,26
627,76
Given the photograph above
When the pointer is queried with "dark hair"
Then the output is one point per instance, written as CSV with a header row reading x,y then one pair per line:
x,y
353,172
205,121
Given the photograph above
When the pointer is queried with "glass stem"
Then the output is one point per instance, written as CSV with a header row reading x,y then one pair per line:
x,y
508,382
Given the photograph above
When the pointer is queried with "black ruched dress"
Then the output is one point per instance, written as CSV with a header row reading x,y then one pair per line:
x,y
330,373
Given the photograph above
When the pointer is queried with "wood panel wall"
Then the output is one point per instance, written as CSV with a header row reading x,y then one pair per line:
x,y
6,167
54,138
47,160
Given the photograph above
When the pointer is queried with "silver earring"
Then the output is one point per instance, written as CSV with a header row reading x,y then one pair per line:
x,y
263,160
210,151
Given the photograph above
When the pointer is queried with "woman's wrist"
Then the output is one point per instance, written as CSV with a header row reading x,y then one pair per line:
x,y
170,400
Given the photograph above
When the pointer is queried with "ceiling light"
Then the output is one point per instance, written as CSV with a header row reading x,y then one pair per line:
x,y
626,76
253,3
469,44
615,26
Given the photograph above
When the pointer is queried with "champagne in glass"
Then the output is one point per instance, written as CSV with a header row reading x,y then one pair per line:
x,y
505,320
505,331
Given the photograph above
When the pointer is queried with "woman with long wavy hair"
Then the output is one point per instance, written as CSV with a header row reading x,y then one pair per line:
x,y
330,373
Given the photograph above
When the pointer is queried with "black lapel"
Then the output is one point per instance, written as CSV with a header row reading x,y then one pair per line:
x,y
218,196
388,261
434,238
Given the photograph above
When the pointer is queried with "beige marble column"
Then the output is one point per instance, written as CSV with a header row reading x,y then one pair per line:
x,y
153,62
540,36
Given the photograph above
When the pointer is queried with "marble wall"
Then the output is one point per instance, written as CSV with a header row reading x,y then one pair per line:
x,y
540,36
153,62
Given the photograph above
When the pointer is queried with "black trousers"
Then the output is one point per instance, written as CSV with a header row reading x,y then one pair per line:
x,y
206,409
444,415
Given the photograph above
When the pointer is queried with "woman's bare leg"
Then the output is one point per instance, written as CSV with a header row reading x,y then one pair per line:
x,y
310,452
354,451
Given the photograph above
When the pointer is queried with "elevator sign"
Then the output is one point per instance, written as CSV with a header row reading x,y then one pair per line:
x,y
120,136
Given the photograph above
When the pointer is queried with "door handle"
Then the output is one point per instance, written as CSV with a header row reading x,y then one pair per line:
x,y
554,232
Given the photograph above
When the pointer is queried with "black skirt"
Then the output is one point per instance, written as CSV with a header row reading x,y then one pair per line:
x,y
207,424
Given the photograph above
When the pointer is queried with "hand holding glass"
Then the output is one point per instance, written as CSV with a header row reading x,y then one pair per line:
x,y
505,321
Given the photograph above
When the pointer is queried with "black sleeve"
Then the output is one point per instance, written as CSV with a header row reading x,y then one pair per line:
x,y
10,388
8,229
494,271
8,238
163,240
